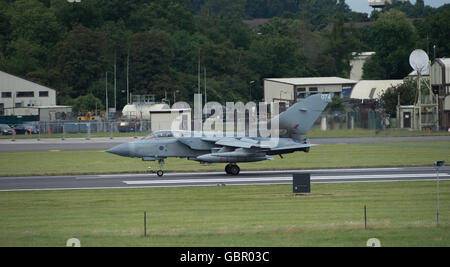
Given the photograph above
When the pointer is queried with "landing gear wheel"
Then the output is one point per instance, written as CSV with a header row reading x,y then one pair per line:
x,y
160,172
234,169
227,169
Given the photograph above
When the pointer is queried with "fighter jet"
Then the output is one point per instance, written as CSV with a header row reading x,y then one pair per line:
x,y
295,122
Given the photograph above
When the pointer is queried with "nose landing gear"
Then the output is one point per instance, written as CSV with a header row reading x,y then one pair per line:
x,y
160,172
232,169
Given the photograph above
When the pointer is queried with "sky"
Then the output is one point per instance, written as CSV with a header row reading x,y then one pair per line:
x,y
363,5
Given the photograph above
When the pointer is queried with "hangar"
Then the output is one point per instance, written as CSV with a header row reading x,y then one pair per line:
x,y
20,97
440,83
18,93
290,90
372,89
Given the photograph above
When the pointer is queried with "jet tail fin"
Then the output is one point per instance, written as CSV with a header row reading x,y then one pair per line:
x,y
300,117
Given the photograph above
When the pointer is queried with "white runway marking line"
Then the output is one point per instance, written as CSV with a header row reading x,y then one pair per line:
x,y
108,176
224,180
278,178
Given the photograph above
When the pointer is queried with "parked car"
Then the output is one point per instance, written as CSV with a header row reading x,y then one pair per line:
x,y
26,128
5,129
128,126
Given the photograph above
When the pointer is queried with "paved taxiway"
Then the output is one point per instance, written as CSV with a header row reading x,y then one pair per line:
x,y
111,181
46,144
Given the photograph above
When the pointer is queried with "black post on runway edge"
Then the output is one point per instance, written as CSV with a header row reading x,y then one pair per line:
x,y
301,183
145,223
365,217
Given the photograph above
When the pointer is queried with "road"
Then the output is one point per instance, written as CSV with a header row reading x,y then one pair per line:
x,y
46,144
111,181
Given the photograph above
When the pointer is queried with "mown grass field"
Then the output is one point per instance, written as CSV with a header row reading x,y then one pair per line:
x,y
399,214
322,156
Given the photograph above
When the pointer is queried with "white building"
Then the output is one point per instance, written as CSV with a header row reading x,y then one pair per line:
x,y
170,119
293,89
19,93
357,64
372,89
381,3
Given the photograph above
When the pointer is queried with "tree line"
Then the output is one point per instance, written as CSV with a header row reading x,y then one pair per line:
x,y
71,46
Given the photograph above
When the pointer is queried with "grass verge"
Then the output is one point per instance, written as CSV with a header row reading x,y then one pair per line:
x,y
399,214
323,156
315,132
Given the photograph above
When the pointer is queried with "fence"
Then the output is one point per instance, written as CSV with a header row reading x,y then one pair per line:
x,y
63,129
364,119
370,120
76,127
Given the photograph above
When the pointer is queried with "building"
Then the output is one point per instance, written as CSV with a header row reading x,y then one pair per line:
x,y
292,89
160,115
141,106
381,3
440,84
254,24
19,97
19,93
170,119
378,3
372,89
357,64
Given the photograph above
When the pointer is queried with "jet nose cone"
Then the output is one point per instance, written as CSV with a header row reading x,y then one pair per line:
x,y
121,150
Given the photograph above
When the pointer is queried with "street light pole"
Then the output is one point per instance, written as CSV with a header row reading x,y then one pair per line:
x,y
128,67
115,83
251,84
106,93
438,164
437,197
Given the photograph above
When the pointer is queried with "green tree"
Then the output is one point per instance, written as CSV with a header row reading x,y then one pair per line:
x,y
150,60
230,8
166,15
22,57
321,12
34,22
417,10
342,41
81,60
84,13
5,31
277,56
87,102
394,39
435,30
30,35
407,91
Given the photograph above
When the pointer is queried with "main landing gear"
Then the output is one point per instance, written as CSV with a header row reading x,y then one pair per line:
x,y
232,169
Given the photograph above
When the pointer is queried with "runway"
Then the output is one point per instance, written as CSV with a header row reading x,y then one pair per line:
x,y
70,144
119,181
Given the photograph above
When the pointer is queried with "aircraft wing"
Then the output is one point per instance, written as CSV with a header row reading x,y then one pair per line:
x,y
291,147
249,143
241,143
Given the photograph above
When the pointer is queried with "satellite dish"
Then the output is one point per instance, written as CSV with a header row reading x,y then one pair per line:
x,y
418,60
